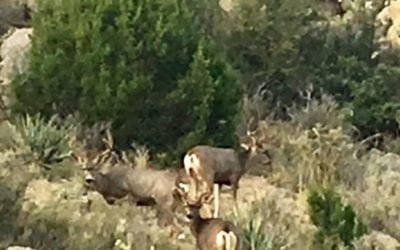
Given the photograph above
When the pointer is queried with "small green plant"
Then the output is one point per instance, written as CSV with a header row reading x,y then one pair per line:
x,y
335,220
47,140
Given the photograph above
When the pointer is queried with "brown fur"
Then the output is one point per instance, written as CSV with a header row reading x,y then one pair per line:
x,y
145,187
209,166
207,231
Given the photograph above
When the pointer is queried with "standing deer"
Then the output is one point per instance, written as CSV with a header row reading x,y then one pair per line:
x,y
210,233
212,167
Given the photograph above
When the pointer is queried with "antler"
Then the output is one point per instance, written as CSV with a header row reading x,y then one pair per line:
x,y
252,127
77,151
110,152
202,199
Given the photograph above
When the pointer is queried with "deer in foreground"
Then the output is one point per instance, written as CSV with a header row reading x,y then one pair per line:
x,y
210,233
211,167
143,186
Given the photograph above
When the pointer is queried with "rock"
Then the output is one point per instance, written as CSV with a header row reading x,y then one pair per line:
x,y
389,18
13,52
377,241
19,248
15,13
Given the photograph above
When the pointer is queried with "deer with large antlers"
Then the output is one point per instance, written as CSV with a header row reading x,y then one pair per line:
x,y
143,186
210,233
211,167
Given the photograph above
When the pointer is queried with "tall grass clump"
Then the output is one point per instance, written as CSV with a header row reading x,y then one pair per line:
x,y
313,147
252,223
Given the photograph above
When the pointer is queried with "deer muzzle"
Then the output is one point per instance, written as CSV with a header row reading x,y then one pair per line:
x,y
89,179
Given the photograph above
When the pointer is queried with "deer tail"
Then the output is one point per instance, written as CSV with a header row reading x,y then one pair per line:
x,y
191,163
226,241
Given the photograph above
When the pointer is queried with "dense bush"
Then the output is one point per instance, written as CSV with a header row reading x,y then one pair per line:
x,y
286,46
143,65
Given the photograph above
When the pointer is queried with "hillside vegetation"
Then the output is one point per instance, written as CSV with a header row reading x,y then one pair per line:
x,y
166,75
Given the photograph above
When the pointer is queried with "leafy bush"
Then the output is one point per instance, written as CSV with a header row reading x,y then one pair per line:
x,y
333,218
274,45
151,72
47,140
377,101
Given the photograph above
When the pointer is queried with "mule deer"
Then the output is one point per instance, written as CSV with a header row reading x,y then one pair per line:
x,y
211,233
143,186
213,167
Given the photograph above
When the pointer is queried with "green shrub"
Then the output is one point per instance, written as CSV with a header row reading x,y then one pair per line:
x,y
274,45
334,219
142,65
377,101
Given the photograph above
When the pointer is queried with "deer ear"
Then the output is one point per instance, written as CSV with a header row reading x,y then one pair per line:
x,y
181,192
204,198
191,173
245,146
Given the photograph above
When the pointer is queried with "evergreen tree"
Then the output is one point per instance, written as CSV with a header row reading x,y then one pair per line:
x,y
144,65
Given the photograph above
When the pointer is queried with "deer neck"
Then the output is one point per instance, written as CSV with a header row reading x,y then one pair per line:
x,y
244,156
196,225
102,183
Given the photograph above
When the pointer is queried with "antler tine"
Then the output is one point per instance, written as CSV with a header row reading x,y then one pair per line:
x,y
253,122
108,141
202,199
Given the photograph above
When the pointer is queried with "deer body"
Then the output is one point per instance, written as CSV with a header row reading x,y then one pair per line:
x,y
115,185
211,167
145,187
212,233
222,166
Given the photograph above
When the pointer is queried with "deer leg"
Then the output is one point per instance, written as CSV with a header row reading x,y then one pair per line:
x,y
235,186
193,188
216,200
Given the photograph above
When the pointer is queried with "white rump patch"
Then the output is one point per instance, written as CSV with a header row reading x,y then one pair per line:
x,y
226,240
191,162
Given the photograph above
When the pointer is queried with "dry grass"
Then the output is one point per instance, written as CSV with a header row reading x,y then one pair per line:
x,y
377,199
52,213
277,219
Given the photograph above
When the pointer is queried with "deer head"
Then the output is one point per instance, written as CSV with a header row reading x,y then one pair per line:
x,y
250,142
91,160
253,144
193,206
90,165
